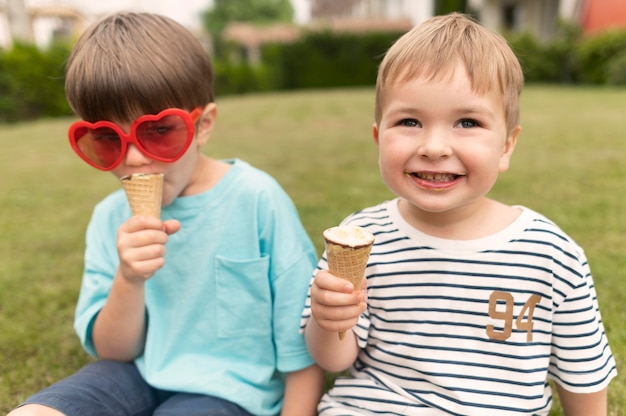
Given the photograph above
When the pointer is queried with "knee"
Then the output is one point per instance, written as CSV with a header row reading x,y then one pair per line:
x,y
35,410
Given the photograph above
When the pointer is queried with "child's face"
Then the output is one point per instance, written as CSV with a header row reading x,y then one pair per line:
x,y
442,146
180,174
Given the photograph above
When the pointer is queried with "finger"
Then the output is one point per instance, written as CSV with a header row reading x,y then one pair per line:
x,y
337,326
327,281
142,238
171,226
337,318
141,222
130,254
337,313
332,298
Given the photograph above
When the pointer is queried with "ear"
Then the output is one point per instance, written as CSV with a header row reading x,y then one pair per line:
x,y
375,133
509,147
206,123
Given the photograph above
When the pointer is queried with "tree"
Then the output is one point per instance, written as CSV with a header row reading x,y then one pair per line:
x,y
259,12
449,6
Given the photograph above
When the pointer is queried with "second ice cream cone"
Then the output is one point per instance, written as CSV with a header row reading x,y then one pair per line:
x,y
347,251
144,192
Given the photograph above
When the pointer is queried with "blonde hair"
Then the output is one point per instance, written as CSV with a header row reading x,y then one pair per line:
x,y
128,64
434,48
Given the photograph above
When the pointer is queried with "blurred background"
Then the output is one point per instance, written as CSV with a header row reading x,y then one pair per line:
x,y
274,45
294,85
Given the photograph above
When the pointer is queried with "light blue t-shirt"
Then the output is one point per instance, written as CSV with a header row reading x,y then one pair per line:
x,y
223,313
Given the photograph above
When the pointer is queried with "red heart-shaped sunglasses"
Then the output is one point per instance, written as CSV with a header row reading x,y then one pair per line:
x,y
164,137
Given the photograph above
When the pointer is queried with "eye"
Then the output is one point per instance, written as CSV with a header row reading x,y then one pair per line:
x,y
467,123
409,122
105,134
162,129
153,129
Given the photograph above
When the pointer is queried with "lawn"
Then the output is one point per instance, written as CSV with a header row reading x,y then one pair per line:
x,y
569,164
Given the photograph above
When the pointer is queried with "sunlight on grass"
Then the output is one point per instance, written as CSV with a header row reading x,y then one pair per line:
x,y
569,165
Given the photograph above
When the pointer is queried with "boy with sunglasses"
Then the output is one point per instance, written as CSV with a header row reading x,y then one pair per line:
x,y
196,313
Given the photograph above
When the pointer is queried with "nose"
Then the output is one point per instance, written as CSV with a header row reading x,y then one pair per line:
x,y
434,144
134,157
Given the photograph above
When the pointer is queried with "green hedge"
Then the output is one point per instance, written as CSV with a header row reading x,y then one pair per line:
x,y
240,78
317,60
553,62
31,80
603,58
324,59
571,57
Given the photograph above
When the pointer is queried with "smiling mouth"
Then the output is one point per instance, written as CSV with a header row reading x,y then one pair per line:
x,y
434,177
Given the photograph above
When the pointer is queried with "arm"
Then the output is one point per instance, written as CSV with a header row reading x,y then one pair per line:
x,y
119,328
335,307
582,404
303,390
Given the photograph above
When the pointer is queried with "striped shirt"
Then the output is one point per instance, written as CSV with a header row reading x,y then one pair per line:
x,y
472,327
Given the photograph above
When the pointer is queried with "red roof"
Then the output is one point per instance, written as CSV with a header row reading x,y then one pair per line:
x,y
599,15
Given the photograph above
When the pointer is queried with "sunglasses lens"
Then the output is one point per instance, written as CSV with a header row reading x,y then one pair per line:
x,y
165,138
102,146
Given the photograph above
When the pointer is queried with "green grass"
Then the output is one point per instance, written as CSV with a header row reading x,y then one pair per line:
x,y
569,165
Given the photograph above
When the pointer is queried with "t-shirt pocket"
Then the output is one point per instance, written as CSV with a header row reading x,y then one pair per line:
x,y
244,301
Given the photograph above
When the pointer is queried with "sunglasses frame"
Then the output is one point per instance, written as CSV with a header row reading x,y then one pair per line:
x,y
189,118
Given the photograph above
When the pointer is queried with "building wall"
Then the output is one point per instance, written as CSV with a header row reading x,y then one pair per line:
x,y
415,11
535,16
44,27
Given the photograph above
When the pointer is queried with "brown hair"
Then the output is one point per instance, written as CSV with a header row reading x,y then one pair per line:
x,y
128,64
434,48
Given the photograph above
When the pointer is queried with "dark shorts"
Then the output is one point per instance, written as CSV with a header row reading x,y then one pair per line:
x,y
111,388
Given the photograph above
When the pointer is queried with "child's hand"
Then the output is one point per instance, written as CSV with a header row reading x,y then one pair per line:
x,y
141,246
335,304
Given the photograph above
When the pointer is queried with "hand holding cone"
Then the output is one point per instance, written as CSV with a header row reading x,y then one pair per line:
x,y
347,251
144,192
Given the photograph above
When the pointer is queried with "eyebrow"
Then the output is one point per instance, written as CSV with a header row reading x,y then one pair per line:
x,y
478,110
475,110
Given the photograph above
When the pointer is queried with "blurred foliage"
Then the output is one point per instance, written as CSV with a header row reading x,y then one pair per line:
x,y
239,78
257,12
326,59
603,58
616,69
32,79
447,6
573,57
32,82
553,62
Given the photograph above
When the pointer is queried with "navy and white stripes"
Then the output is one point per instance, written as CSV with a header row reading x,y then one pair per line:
x,y
471,327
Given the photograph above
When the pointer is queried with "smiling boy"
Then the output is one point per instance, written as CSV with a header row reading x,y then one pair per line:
x,y
471,305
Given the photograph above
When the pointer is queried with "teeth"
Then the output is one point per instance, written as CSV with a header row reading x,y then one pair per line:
x,y
437,177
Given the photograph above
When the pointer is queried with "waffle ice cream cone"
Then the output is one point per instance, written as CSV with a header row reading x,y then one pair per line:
x,y
347,251
144,192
